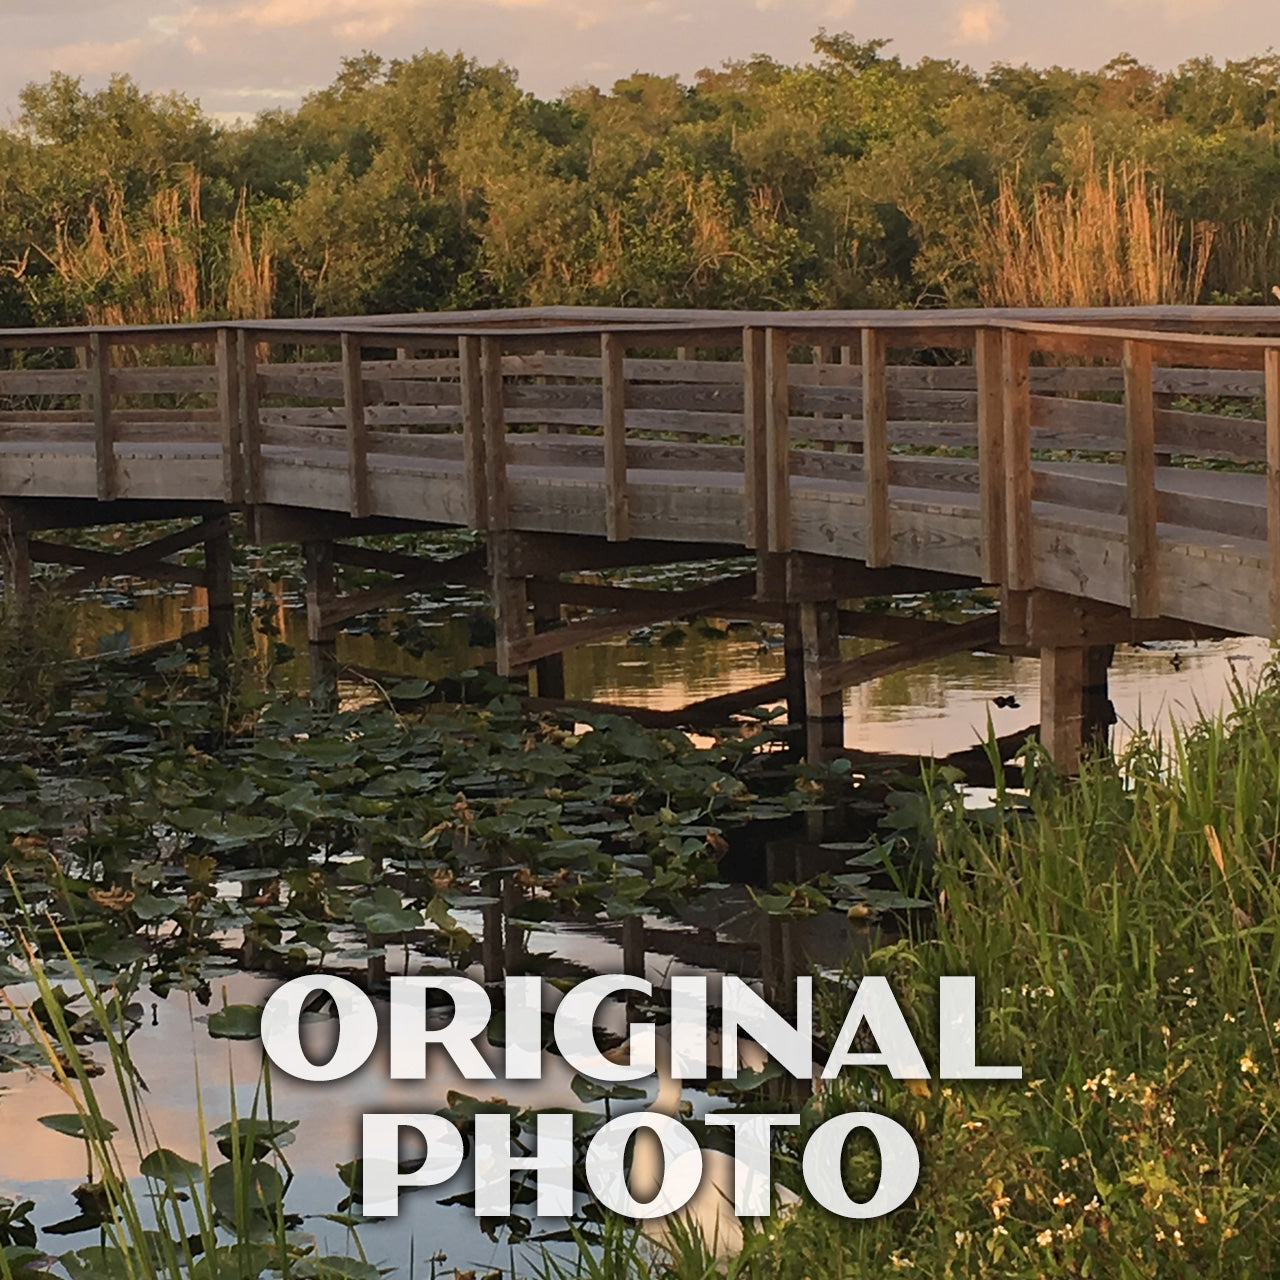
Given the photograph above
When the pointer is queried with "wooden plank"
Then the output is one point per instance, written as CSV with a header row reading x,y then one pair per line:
x,y
1062,685
778,440
473,430
103,427
44,382
875,452
1104,489
1019,569
755,437
978,634
151,380
497,504
937,406
713,598
823,707
594,595
1141,504
464,569
1273,488
97,565
228,370
588,451
988,361
141,561
431,418
613,390
250,423
356,428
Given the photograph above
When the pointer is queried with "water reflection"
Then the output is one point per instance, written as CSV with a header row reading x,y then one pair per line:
x,y
939,707
936,708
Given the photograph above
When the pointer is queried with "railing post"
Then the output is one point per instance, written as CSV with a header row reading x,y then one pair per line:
x,y
250,422
1140,481
778,440
613,392
229,416
103,425
495,436
755,445
878,551
357,427
1019,563
1272,364
473,429
990,375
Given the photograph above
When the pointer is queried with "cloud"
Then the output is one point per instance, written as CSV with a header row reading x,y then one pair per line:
x,y
348,19
1172,10
89,57
979,22
824,10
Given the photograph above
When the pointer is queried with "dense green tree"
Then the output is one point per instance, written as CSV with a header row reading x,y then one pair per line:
x,y
851,179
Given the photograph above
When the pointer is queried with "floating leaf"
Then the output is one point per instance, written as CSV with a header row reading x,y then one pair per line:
x,y
236,1022
91,1128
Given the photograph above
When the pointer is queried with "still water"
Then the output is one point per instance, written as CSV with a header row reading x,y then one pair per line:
x,y
938,708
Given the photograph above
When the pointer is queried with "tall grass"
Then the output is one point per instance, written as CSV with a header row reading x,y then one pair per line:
x,y
1108,239
201,1219
162,264
1123,932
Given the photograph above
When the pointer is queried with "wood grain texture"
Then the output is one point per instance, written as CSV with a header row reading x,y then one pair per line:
x,y
250,421
103,427
989,364
778,439
755,437
875,451
473,430
229,435
1142,504
1019,570
497,502
613,391
356,427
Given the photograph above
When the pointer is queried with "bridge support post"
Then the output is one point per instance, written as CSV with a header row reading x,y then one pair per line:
x,y
550,670
1075,711
793,659
509,591
220,587
317,558
823,711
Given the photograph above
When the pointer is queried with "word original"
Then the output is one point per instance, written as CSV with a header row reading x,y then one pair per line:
x,y
416,1029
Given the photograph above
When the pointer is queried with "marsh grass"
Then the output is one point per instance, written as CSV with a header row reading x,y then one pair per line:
x,y
202,1219
1122,929
37,637
1107,239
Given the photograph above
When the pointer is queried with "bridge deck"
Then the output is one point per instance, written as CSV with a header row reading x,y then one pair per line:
x,y
1137,467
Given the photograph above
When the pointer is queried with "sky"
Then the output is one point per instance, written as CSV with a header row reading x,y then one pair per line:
x,y
239,57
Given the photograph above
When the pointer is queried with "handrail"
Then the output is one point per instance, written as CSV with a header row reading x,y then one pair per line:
x,y
783,450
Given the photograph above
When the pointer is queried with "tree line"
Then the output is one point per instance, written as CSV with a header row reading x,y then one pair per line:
x,y
853,179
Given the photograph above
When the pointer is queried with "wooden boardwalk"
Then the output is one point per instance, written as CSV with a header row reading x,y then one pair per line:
x,y
1116,475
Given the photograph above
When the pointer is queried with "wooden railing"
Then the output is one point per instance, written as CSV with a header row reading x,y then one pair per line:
x,y
861,421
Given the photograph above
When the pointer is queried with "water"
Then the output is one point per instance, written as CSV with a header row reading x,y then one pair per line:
x,y
937,708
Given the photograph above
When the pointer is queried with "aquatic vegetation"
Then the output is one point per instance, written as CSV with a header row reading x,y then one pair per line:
x,y
1122,930
220,1216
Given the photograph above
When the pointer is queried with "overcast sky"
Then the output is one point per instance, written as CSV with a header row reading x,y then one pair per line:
x,y
239,57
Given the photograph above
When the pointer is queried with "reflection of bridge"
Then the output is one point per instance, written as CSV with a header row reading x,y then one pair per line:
x,y
1074,459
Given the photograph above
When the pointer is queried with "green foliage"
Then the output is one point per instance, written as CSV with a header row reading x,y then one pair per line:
x,y
434,182
1122,931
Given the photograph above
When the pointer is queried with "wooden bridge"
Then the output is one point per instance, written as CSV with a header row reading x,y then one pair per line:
x,y
1115,474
